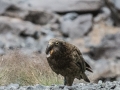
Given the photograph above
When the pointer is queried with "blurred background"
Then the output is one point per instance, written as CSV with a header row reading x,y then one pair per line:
x,y
92,25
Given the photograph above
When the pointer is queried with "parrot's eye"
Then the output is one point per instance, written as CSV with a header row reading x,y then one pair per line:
x,y
56,43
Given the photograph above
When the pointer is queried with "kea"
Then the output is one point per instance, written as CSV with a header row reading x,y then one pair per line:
x,y
66,59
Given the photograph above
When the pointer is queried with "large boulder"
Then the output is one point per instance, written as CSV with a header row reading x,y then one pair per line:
x,y
17,26
114,6
109,47
36,17
3,6
76,26
59,5
41,17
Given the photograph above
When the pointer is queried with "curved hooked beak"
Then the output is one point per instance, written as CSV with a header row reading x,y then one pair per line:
x,y
49,48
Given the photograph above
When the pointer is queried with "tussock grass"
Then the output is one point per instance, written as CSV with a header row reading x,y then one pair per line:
x,y
18,67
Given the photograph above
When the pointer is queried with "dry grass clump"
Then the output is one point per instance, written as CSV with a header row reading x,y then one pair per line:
x,y
17,67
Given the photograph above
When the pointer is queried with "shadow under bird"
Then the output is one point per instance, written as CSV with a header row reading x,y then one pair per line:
x,y
66,59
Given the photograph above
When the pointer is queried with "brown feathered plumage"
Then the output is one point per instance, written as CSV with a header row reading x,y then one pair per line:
x,y
66,59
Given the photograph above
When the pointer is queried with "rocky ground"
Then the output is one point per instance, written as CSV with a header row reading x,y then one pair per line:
x,y
91,25
91,86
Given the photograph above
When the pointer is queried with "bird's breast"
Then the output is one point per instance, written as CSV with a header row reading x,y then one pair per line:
x,y
57,62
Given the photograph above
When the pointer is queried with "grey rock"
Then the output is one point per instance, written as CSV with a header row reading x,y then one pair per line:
x,y
26,88
101,17
100,82
34,16
2,52
30,88
17,26
10,41
117,88
14,11
70,16
88,88
12,86
61,86
3,6
117,4
108,48
2,87
59,5
111,42
109,22
22,88
39,87
79,86
105,15
104,74
38,17
78,27
29,41
68,88
55,87
106,10
1,44
115,9
113,87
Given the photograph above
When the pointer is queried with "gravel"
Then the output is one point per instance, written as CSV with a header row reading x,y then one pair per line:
x,y
115,85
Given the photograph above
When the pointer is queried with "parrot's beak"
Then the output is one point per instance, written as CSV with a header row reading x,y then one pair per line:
x,y
49,48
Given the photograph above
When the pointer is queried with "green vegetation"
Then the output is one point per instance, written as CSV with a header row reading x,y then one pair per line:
x,y
16,67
